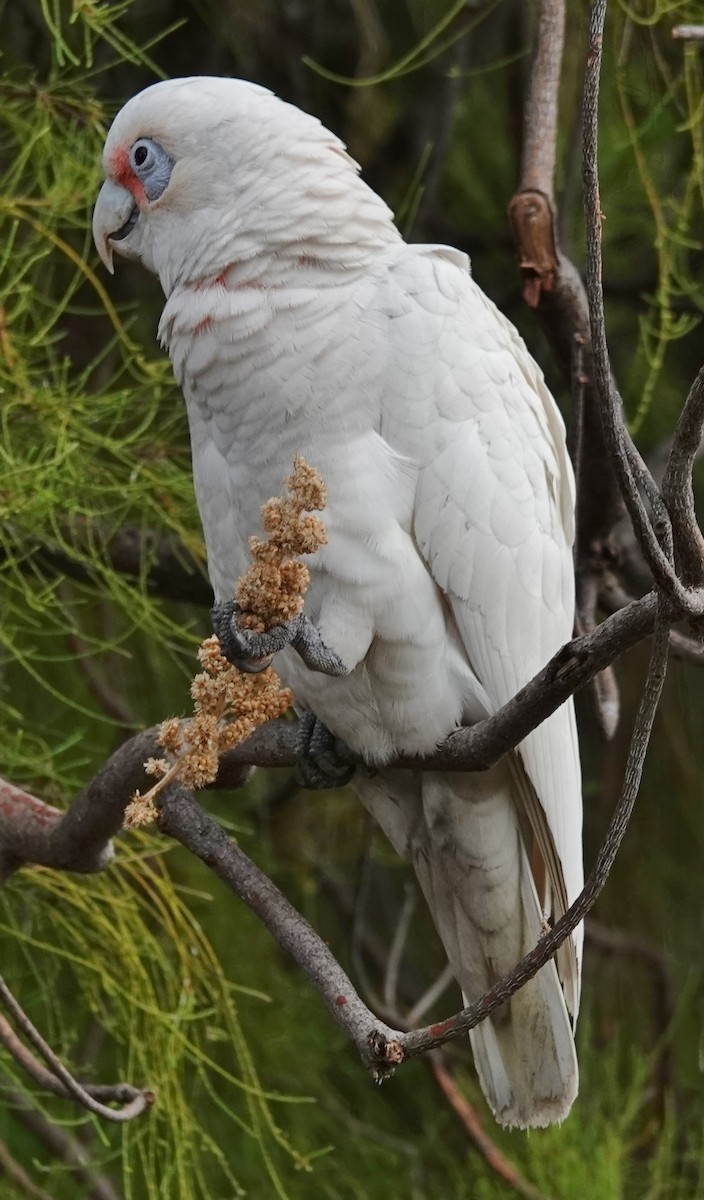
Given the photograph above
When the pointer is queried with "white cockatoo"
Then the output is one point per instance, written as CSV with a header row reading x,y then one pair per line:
x,y
298,321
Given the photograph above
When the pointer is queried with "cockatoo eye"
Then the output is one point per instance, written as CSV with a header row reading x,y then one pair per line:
x,y
152,166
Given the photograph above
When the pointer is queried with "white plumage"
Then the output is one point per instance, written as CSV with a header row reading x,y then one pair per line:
x,y
299,321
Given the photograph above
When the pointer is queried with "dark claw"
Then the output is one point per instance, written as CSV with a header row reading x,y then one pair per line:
x,y
239,645
323,759
252,652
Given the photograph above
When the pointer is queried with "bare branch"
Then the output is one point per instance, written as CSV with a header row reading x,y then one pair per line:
x,y
553,287
677,488
182,818
421,1040
26,828
79,840
541,111
15,1172
613,597
474,1128
397,948
58,1079
380,1047
631,472
63,1145
478,747
431,994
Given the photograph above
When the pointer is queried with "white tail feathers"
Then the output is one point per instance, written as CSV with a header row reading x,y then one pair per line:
x,y
463,834
525,1056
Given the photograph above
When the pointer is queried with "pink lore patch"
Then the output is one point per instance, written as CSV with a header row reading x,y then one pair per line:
x,y
124,175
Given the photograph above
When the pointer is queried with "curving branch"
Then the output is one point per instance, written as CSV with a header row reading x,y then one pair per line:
x,y
27,826
57,1078
181,817
552,286
381,1048
677,488
654,536
79,840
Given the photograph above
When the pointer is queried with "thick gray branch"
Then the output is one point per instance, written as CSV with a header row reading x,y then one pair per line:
x,y
79,840
184,819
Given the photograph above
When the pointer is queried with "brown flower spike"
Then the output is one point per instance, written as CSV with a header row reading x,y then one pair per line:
x,y
229,705
272,589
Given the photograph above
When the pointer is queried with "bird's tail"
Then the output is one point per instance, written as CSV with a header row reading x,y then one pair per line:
x,y
525,1054
463,834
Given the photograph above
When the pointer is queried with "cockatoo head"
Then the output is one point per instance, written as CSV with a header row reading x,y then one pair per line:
x,y
204,171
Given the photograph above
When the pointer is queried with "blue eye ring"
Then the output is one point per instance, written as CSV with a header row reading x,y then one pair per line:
x,y
152,166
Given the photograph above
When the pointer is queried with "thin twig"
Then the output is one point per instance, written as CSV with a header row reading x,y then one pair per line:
x,y
15,1172
430,996
630,469
134,1101
397,948
118,1093
677,487
63,1146
474,1128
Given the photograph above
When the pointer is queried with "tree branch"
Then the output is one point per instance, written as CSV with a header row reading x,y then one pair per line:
x,y
553,287
421,1040
677,487
630,469
542,107
489,1151
64,1146
15,1172
26,828
58,1079
478,747
80,839
380,1047
181,817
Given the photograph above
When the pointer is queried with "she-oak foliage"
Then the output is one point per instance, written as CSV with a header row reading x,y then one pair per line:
x,y
147,970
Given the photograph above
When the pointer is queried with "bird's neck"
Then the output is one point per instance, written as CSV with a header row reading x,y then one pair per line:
x,y
321,230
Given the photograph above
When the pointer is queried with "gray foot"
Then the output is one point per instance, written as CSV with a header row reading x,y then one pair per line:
x,y
323,759
252,652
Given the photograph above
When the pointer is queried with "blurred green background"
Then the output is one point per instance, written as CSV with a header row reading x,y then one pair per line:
x,y
150,972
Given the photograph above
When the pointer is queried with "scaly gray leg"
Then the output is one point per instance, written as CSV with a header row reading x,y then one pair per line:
x,y
247,649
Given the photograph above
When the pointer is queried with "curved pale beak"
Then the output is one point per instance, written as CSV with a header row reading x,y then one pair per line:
x,y
114,216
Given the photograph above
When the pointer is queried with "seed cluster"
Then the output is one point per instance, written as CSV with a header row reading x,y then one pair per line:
x,y
272,589
228,705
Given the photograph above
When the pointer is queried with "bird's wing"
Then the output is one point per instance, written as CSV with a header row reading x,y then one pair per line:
x,y
494,522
